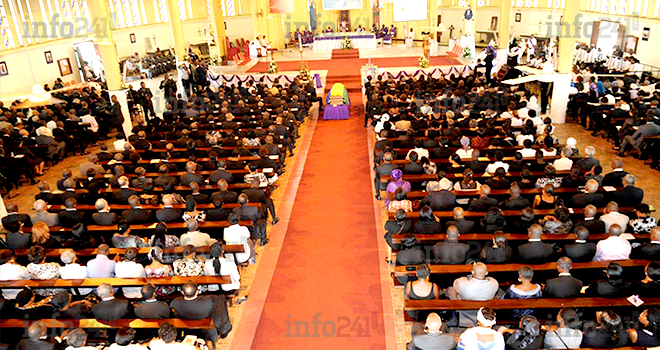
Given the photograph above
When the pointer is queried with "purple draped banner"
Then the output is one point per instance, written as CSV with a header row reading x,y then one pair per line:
x,y
452,71
268,78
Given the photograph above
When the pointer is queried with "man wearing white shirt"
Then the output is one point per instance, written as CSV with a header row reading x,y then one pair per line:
x,y
528,151
237,234
564,163
11,271
421,152
89,119
101,266
614,247
128,268
612,216
72,270
194,237
499,156
532,114
77,340
121,141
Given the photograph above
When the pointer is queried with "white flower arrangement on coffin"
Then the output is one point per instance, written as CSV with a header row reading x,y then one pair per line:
x,y
423,61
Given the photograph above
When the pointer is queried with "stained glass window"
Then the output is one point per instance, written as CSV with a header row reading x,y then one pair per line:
x,y
230,8
5,32
161,11
182,9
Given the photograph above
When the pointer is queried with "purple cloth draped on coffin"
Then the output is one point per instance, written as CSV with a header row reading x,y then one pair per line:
x,y
331,112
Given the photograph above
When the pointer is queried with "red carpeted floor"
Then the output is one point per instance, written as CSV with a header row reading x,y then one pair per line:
x,y
326,290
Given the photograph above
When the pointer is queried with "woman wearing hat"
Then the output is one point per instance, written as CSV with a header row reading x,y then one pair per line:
x,y
396,182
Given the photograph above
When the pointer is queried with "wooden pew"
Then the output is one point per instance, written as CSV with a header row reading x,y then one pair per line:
x,y
511,237
459,176
228,248
90,323
510,213
400,271
183,161
115,282
55,208
148,227
497,193
486,160
509,304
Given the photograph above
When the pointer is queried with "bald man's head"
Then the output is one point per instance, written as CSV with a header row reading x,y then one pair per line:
x,y
535,231
615,230
458,213
452,233
479,271
655,234
612,207
433,323
485,190
564,265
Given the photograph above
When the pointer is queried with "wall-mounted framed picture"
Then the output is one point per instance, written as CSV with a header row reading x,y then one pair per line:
x,y
65,66
518,17
645,33
49,57
133,40
3,69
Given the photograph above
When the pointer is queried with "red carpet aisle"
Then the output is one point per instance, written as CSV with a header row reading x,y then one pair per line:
x,y
326,290
347,65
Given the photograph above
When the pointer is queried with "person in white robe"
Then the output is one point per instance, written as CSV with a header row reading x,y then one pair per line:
x,y
410,38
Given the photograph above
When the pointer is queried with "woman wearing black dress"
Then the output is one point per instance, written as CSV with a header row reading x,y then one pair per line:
x,y
606,332
400,225
499,252
648,334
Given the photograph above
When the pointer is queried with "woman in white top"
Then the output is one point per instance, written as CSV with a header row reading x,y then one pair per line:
x,y
410,38
482,336
219,266
466,151
237,234
566,334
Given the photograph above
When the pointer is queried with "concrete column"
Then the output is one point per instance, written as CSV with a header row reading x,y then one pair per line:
x,y
177,30
505,25
106,44
219,21
565,61
433,17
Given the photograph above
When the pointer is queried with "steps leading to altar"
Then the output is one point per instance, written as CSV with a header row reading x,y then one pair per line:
x,y
339,54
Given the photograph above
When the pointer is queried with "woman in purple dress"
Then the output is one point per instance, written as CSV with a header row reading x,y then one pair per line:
x,y
396,182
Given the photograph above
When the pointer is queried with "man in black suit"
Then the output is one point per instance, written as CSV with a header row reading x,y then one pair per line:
x,y
592,196
104,155
168,213
615,178
199,198
45,194
477,166
38,338
651,250
464,226
14,217
483,203
413,167
70,216
219,213
118,171
66,174
164,179
136,215
535,251
104,217
450,251
69,191
439,197
110,308
629,195
246,212
589,221
383,170
224,193
588,161
194,307
257,195
150,307
264,162
221,173
515,202
190,176
121,195
581,250
564,286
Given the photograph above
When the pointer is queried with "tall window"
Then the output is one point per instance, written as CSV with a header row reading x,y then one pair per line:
x,y
525,3
161,11
182,9
127,13
620,7
5,32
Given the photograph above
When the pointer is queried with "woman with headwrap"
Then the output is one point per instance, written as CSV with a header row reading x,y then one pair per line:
x,y
483,336
396,182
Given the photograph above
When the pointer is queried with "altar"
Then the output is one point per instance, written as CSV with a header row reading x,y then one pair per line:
x,y
332,41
